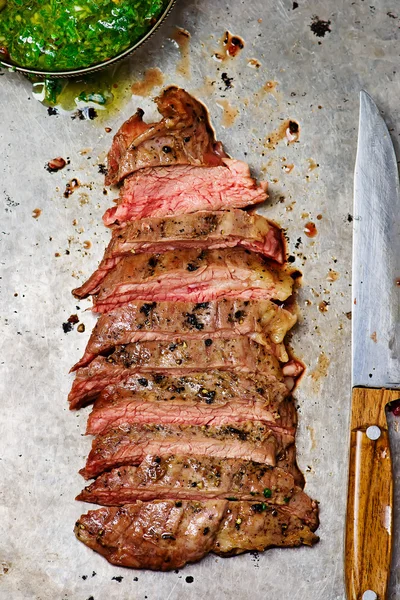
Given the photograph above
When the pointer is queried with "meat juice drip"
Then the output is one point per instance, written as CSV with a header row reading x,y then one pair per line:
x,y
230,46
182,39
152,78
310,229
229,112
289,130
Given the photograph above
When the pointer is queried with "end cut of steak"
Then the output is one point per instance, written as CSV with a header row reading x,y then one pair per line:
x,y
130,444
201,478
203,230
183,136
179,358
166,534
262,320
192,276
161,191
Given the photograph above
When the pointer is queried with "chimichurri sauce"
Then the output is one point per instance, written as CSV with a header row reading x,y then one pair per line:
x,y
65,34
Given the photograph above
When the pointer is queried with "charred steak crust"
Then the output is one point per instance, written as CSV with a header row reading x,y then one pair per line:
x,y
166,534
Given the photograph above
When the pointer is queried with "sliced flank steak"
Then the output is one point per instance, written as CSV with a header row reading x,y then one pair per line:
x,y
200,478
130,444
174,358
204,230
192,276
166,534
183,136
161,191
262,320
147,407
214,386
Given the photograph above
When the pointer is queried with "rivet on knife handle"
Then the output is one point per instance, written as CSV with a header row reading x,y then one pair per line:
x,y
368,544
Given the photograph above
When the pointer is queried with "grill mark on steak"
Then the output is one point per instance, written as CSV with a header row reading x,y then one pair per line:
x,y
213,274
185,130
199,230
134,535
161,191
129,444
264,321
201,478
179,358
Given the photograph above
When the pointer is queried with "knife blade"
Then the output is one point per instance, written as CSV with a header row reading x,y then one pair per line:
x,y
375,357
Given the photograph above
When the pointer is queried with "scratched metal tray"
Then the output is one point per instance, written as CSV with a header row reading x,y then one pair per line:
x,y
285,71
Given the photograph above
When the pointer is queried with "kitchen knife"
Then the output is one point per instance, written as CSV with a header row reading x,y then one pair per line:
x,y
375,357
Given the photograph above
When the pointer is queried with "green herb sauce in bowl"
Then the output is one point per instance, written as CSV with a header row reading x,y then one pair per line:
x,y
65,35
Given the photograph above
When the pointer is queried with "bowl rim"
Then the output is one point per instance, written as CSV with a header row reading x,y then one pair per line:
x,y
97,66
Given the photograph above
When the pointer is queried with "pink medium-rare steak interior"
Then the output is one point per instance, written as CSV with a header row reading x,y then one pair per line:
x,y
161,191
183,136
173,358
204,230
262,320
130,444
193,276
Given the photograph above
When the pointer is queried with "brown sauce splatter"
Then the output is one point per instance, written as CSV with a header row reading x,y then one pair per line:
x,y
374,337
182,39
270,86
152,78
36,213
254,63
55,164
289,130
321,370
87,244
230,113
230,45
332,275
310,229
71,187
323,306
288,168
312,164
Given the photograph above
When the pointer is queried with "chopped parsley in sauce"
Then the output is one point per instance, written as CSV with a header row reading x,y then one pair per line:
x,y
66,34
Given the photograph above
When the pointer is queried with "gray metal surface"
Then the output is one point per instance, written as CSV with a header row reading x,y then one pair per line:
x,y
376,254
41,442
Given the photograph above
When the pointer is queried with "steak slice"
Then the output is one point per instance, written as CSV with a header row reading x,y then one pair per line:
x,y
201,478
165,534
203,230
262,320
192,276
176,358
161,191
130,444
121,407
214,386
183,136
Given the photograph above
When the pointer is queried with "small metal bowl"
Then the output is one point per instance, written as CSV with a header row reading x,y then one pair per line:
x,y
95,67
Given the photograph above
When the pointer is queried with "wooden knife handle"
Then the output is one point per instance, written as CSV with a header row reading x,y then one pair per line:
x,y
368,544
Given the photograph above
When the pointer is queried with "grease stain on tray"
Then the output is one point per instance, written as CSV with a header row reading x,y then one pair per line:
x,y
230,47
229,114
181,37
152,78
289,130
320,371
